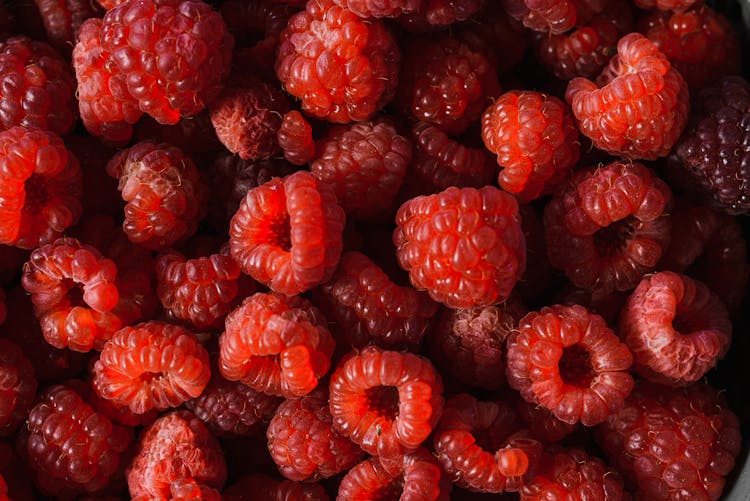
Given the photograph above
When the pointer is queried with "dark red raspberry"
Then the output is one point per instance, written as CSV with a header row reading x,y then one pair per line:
x,y
608,226
152,365
365,163
548,16
17,387
287,233
535,139
667,5
386,402
177,450
63,18
310,61
295,138
258,487
568,361
40,187
380,8
276,344
607,305
163,191
464,246
435,15
541,423
673,443
676,328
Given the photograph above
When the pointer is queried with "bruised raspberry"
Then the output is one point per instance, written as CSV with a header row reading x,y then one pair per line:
x,y
17,387
259,487
295,138
63,19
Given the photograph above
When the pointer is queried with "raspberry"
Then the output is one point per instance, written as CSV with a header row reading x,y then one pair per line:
x,y
163,191
186,490
609,226
287,233
115,413
152,365
535,139
676,328
258,487
667,5
63,18
640,78
551,16
177,450
364,306
318,42
276,344
386,402
295,138
464,246
303,443
40,187
541,423
365,163
568,361
673,443
17,387
380,8
437,14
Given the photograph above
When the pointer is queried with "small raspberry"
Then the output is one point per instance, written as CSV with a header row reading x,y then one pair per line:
x,y
17,387
295,138
63,18
258,487
380,8
639,105
568,361
287,233
152,365
437,14
318,42
40,187
386,402
464,246
667,5
550,16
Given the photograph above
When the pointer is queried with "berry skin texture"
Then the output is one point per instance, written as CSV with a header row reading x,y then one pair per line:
x,y
608,226
341,67
295,138
40,187
552,16
152,365
673,443
17,387
638,106
535,139
676,328
257,487
386,402
287,233
568,361
464,246
176,450
276,344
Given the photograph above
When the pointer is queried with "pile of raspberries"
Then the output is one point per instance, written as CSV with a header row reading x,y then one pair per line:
x,y
379,250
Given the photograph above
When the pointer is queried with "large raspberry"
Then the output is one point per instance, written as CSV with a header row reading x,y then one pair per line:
x,y
17,387
63,19
258,487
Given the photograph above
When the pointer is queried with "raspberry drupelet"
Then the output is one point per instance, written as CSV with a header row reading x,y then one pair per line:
x,y
17,387
386,402
568,361
40,187
63,19
667,5
287,233
550,16
638,106
295,138
341,67
608,226
258,487
464,246
152,365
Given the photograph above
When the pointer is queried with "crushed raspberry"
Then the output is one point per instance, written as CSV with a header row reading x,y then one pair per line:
x,y
295,138
258,487
63,18
17,387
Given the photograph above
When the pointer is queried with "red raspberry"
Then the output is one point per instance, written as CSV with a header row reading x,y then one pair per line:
x,y
63,18
365,163
152,365
667,5
541,423
318,42
163,191
464,246
550,16
535,139
437,14
175,451
287,233
609,226
676,328
386,402
258,487
640,78
40,187
380,8
364,306
295,138
115,413
17,387
186,490
74,293
568,361
673,443
276,344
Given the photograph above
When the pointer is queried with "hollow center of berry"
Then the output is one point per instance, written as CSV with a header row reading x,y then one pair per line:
x,y
280,229
686,321
490,438
575,366
611,241
384,401
35,189
75,293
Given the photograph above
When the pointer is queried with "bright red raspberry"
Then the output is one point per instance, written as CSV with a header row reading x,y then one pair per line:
x,y
176,451
152,365
73,288
259,487
17,387
464,246
667,5
63,18
549,16
276,344
608,226
676,327
535,139
568,361
386,402
318,42
638,106
287,233
40,187
163,191
295,138
434,15
673,443
380,8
